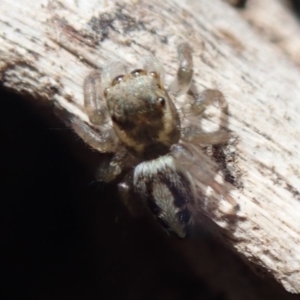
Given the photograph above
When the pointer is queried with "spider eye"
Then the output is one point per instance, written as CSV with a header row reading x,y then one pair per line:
x,y
138,72
117,80
161,101
154,74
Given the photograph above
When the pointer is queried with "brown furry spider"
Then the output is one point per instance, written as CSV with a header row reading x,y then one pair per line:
x,y
136,119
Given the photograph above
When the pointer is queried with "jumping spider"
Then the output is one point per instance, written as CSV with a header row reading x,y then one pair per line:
x,y
156,142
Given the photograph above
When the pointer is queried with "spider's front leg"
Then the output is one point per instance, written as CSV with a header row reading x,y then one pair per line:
x,y
184,75
101,136
94,101
193,111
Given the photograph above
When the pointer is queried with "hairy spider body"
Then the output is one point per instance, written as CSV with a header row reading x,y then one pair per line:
x,y
136,119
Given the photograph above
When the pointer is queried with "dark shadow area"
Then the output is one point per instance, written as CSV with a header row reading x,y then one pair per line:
x,y
239,3
64,237
296,7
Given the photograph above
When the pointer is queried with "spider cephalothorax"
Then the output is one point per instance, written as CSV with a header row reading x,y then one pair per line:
x,y
143,115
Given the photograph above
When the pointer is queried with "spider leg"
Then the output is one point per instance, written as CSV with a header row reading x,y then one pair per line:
x,y
193,132
94,102
130,198
184,76
125,189
109,170
201,169
101,136
104,139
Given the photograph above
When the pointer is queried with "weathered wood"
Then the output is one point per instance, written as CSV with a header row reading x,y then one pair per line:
x,y
277,23
47,48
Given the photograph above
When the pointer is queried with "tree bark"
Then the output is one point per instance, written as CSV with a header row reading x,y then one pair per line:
x,y
48,47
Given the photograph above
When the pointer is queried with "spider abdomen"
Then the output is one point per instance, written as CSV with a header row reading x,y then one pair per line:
x,y
167,191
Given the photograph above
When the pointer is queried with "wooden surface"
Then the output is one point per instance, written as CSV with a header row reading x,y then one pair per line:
x,y
47,48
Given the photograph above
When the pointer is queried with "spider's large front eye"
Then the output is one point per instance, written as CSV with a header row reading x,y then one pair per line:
x,y
161,101
117,80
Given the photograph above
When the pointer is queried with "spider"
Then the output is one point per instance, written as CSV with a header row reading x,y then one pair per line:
x,y
135,118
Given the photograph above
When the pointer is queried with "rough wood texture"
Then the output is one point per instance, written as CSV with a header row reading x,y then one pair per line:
x,y
276,23
47,48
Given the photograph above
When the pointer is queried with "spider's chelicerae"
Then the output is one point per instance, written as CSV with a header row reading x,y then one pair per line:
x,y
158,144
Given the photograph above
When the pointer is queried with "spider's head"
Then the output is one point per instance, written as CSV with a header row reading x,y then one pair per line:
x,y
143,115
